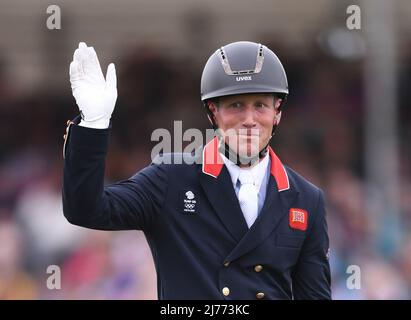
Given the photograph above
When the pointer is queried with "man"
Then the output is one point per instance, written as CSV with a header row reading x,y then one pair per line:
x,y
236,223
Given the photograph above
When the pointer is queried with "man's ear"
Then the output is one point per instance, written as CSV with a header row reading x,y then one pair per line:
x,y
277,118
213,109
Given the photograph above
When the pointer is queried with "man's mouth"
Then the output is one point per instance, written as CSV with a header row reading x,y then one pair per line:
x,y
249,136
249,133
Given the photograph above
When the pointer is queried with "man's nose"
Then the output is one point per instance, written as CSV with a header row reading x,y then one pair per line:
x,y
249,119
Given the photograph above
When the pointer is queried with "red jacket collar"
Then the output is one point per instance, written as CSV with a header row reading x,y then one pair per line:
x,y
213,163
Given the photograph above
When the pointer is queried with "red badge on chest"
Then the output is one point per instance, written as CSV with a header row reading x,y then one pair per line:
x,y
298,219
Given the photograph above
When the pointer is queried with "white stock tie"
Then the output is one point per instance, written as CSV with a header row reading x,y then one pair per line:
x,y
248,197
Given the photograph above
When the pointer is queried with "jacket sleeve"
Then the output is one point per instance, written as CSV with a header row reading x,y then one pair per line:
x,y
311,278
130,204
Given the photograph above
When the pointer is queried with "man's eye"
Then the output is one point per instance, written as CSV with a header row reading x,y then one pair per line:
x,y
236,105
259,104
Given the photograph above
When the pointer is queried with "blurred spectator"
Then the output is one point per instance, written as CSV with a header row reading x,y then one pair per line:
x,y
40,213
15,283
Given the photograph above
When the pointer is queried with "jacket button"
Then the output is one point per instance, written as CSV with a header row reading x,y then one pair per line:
x,y
226,264
260,295
258,268
226,291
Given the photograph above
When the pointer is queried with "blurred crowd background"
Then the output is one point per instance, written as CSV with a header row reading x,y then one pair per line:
x,y
159,48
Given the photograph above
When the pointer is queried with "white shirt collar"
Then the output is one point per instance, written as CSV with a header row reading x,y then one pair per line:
x,y
258,171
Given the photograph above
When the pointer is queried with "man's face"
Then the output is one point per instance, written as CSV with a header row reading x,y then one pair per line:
x,y
246,121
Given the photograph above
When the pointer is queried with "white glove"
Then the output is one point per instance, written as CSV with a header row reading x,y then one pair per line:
x,y
95,96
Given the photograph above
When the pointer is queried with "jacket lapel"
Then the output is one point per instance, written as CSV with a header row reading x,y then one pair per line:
x,y
221,194
216,182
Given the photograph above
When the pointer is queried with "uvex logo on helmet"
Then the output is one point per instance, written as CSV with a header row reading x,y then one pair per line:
x,y
243,78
